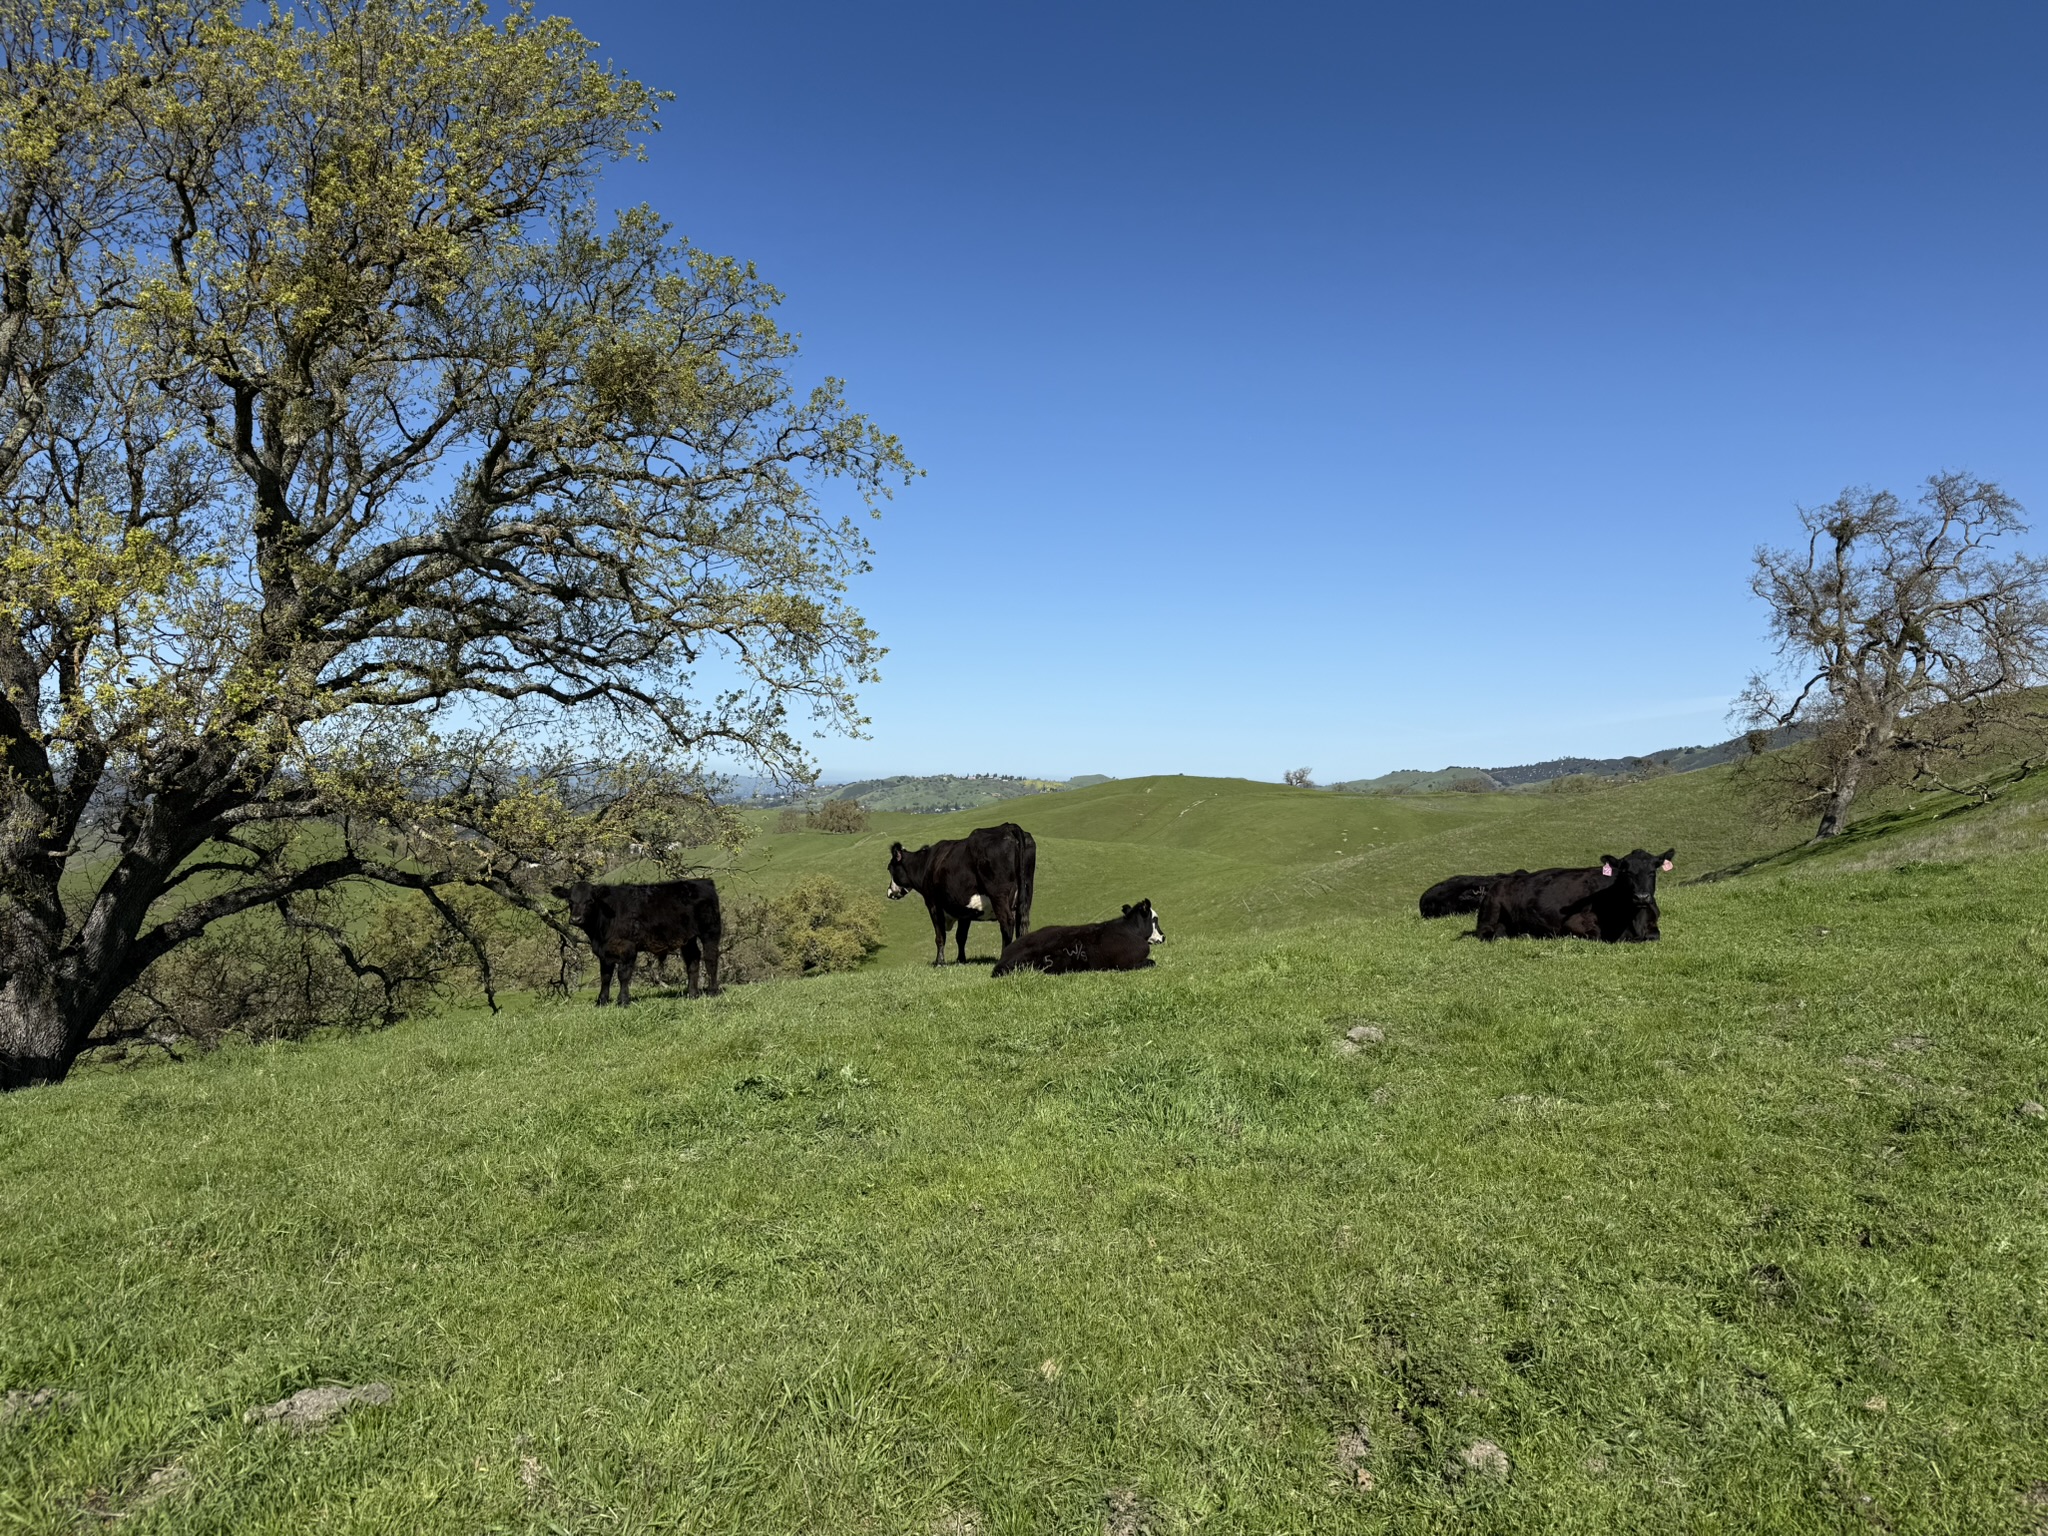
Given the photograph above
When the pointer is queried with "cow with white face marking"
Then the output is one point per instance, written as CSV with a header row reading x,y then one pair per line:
x,y
1614,902
1121,944
985,876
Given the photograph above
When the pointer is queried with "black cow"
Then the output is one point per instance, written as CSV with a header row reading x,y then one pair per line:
x,y
1121,944
624,922
987,874
1615,903
1460,893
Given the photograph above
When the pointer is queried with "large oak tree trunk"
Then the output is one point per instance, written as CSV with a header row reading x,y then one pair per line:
x,y
1835,815
38,1038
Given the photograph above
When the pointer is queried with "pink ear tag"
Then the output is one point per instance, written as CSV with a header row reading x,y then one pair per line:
x,y
1667,863
1606,869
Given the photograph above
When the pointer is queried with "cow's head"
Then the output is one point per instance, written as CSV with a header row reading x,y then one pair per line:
x,y
899,873
1144,910
1638,871
581,897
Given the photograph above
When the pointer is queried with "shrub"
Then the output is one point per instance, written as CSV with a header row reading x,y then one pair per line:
x,y
812,928
791,820
839,816
272,975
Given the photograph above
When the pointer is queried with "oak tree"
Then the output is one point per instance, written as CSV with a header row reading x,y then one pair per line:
x,y
1902,632
370,508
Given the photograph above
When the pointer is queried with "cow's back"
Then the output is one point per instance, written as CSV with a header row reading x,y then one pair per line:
x,y
660,916
1118,944
1535,903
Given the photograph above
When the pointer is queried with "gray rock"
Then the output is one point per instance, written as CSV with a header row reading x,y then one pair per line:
x,y
317,1407
2034,1111
1365,1034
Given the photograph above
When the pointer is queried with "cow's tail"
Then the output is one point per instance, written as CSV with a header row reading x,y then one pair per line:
x,y
1027,872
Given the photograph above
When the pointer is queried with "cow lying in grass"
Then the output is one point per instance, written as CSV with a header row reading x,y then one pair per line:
x,y
1121,944
1460,893
623,922
1615,903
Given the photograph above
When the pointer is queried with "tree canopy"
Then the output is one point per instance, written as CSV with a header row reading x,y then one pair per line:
x,y
355,472
1901,630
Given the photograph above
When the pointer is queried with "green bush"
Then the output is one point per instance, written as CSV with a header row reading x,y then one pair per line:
x,y
839,816
271,975
813,928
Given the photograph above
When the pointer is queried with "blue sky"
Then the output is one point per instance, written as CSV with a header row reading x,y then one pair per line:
x,y
1359,386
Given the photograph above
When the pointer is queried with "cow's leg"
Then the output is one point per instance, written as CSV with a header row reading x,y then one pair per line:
x,y
604,980
711,965
965,924
691,956
1580,925
626,963
1006,921
938,932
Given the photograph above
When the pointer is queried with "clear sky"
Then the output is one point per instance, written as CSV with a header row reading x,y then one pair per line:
x,y
1362,386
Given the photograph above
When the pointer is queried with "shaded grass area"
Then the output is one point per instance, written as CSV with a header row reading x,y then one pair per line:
x,y
1738,1232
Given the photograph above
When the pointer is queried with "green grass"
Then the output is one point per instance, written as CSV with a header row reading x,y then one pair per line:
x,y
916,1251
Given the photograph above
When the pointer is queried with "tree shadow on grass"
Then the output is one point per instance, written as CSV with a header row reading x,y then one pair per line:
x,y
1935,808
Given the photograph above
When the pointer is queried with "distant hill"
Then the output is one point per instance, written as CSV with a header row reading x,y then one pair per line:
x,y
1408,781
937,793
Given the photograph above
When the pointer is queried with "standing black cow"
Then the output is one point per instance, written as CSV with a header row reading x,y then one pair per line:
x,y
1615,903
1460,893
987,874
624,922
1121,944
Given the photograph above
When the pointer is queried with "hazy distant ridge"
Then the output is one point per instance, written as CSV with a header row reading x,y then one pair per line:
x,y
1405,781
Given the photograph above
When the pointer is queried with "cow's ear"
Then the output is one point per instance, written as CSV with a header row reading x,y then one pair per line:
x,y
1668,853
1127,909
559,892
1607,863
895,847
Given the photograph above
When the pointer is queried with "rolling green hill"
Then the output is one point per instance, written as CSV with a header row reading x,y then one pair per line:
x,y
1332,1222
1221,856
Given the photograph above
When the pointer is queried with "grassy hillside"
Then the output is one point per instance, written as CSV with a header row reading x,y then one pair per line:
x,y
1223,856
1740,1232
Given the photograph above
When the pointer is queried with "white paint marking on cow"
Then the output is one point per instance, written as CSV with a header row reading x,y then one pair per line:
x,y
1157,936
974,902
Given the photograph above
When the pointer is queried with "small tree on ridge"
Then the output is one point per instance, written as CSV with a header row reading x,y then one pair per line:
x,y
1901,633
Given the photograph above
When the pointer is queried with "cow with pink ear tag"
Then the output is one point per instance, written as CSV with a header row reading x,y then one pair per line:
x,y
1614,902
